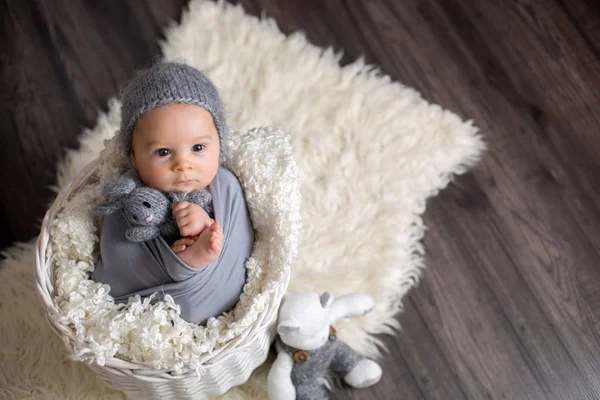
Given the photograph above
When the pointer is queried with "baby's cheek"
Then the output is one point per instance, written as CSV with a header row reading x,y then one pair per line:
x,y
157,179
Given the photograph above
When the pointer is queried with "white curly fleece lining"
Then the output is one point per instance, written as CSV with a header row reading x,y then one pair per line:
x,y
153,334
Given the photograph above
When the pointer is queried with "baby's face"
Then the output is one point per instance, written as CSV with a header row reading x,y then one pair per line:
x,y
175,148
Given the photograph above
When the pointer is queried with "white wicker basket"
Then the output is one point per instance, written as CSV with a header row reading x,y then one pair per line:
x,y
228,366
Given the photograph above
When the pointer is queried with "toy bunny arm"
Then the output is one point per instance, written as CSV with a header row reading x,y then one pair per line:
x,y
350,305
279,381
203,198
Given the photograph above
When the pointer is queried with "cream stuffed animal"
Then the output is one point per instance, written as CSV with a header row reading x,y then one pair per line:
x,y
309,352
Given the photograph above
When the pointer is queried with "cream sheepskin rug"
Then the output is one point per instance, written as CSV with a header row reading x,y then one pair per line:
x,y
369,151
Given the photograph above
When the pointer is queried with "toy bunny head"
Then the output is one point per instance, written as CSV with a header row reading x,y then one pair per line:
x,y
146,209
145,206
305,318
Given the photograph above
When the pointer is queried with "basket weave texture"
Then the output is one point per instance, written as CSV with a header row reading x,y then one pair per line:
x,y
270,184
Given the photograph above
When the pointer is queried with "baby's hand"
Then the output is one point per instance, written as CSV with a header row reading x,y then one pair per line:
x,y
182,244
191,218
205,249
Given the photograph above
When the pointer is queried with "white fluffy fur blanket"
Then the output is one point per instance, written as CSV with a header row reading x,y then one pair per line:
x,y
370,152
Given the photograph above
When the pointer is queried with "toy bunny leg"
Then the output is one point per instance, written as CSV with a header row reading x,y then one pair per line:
x,y
364,374
357,371
279,380
311,391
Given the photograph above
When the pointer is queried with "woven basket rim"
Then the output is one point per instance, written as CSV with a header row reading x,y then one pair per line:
x,y
44,279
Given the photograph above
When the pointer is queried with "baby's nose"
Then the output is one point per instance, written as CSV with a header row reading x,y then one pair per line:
x,y
182,163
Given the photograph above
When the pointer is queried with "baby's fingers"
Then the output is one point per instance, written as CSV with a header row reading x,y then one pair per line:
x,y
182,205
178,249
188,228
215,226
181,244
186,241
181,213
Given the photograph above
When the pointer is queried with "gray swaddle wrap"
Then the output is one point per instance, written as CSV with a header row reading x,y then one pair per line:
x,y
144,268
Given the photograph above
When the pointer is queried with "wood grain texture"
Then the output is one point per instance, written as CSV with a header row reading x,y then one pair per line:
x,y
508,306
61,62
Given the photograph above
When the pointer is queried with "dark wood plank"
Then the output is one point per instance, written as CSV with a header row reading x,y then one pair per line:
x,y
62,61
531,185
425,358
521,179
489,309
396,374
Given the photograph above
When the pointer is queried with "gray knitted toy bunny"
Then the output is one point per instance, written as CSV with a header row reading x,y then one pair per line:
x,y
147,209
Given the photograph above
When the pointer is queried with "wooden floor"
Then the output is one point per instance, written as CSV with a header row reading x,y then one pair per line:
x,y
509,306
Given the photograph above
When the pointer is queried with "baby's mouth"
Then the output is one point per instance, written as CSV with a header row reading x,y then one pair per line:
x,y
186,181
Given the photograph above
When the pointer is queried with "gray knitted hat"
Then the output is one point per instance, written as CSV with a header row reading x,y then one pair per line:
x,y
165,83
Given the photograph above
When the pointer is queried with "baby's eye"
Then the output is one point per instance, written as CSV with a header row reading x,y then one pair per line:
x,y
163,152
198,147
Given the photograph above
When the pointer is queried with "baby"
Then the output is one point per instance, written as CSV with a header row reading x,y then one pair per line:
x,y
175,148
172,126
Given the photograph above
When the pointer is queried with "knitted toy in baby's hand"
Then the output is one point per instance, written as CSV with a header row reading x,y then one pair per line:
x,y
201,197
308,349
148,210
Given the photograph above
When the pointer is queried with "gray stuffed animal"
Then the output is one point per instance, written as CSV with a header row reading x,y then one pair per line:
x,y
148,210
308,349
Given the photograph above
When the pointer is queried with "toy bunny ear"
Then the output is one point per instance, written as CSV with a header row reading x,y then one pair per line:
x,y
119,187
108,208
351,305
326,299
122,185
